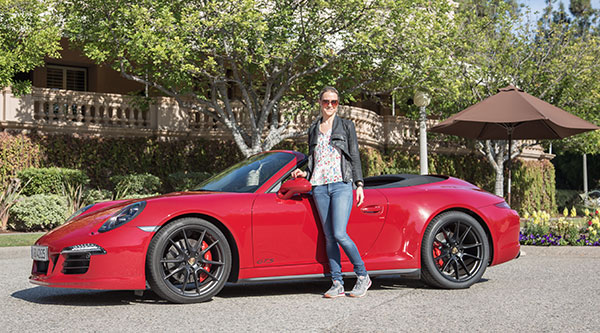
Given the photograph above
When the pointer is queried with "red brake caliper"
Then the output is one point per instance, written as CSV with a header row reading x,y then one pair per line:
x,y
207,256
437,252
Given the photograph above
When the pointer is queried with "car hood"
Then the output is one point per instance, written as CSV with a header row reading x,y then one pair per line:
x,y
90,221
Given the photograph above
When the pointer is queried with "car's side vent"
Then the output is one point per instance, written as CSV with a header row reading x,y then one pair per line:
x,y
76,263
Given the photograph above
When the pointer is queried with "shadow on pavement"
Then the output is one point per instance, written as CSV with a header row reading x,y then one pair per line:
x,y
83,297
314,287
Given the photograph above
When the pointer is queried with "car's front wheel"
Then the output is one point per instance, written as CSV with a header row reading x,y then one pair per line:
x,y
188,261
455,251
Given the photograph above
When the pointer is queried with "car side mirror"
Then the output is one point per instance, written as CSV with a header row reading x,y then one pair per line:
x,y
293,186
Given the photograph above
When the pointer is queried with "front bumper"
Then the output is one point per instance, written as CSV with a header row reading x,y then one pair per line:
x,y
122,266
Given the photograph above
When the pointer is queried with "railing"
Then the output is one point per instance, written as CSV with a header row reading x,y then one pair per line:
x,y
70,108
64,111
53,110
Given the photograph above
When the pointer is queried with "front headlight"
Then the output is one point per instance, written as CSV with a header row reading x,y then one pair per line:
x,y
79,212
123,216
84,248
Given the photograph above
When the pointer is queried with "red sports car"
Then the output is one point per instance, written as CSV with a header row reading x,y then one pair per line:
x,y
252,223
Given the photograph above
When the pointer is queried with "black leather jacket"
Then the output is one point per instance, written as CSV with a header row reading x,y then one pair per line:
x,y
343,138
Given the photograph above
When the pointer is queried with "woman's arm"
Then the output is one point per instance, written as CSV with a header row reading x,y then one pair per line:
x,y
354,155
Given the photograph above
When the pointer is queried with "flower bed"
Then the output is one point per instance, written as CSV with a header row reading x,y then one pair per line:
x,y
541,229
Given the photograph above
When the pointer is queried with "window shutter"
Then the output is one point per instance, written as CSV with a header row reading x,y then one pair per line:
x,y
75,80
54,78
63,77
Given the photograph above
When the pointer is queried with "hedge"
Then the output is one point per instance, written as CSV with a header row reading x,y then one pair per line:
x,y
569,170
185,181
91,196
38,212
534,186
17,152
136,184
103,158
50,180
533,181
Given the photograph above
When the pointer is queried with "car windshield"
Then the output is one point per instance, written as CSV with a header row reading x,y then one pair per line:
x,y
248,175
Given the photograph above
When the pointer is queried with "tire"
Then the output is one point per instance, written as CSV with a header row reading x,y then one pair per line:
x,y
188,261
455,251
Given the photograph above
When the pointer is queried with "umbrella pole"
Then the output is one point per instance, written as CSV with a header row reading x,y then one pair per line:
x,y
509,159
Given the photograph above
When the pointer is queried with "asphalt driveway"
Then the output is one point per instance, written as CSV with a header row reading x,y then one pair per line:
x,y
547,289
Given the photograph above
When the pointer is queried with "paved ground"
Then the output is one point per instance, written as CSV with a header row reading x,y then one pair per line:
x,y
547,289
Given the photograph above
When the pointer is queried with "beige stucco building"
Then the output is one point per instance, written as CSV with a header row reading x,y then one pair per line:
x,y
74,95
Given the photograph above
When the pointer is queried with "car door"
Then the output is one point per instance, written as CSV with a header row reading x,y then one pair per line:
x,y
288,232
366,221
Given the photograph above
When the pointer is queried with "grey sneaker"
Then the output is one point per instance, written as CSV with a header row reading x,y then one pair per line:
x,y
336,290
360,288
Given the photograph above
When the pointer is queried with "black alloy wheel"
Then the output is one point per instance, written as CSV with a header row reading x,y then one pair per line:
x,y
188,261
455,251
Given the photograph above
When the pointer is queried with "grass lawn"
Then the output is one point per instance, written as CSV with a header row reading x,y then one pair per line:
x,y
19,239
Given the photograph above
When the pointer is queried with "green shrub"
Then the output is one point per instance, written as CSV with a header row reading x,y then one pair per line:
x,y
138,196
137,184
471,167
17,152
300,146
185,181
50,180
38,212
569,170
534,186
567,198
102,158
375,162
96,195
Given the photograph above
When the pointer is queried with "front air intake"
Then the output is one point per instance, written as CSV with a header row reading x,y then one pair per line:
x,y
76,263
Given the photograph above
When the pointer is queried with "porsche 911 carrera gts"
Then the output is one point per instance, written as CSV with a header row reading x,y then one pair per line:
x,y
252,222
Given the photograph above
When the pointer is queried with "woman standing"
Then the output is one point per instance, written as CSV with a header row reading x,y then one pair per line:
x,y
333,166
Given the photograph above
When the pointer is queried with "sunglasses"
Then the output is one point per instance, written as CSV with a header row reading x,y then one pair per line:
x,y
333,102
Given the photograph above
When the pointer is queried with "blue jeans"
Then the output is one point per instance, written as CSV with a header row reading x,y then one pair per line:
x,y
334,203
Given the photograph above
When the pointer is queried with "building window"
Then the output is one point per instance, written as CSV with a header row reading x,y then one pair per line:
x,y
64,77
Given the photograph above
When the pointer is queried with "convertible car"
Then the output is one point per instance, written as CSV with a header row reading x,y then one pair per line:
x,y
252,222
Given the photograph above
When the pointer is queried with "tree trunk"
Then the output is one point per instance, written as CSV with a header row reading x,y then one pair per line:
x,y
499,187
495,151
3,219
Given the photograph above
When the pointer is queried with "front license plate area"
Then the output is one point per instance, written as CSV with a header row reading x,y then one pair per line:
x,y
39,253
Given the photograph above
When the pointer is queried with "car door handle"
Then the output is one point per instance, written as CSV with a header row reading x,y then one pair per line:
x,y
374,209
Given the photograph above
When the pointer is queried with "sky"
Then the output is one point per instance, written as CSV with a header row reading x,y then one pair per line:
x,y
539,5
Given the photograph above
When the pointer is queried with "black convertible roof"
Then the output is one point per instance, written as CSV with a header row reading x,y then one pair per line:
x,y
401,180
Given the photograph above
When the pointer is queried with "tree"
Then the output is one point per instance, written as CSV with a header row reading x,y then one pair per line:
x,y
548,60
274,55
28,32
584,14
579,90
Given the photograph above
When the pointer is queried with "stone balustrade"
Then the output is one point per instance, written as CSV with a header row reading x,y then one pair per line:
x,y
65,111
71,108
53,110
73,112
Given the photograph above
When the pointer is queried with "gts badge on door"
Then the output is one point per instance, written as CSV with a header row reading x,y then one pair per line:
x,y
265,261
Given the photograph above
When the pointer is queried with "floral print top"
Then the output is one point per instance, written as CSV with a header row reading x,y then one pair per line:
x,y
328,162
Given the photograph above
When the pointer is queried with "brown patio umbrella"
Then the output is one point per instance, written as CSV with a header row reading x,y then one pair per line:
x,y
513,114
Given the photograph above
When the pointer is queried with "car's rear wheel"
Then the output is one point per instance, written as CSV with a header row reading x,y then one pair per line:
x,y
188,261
455,251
